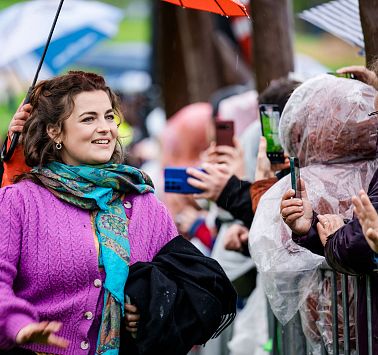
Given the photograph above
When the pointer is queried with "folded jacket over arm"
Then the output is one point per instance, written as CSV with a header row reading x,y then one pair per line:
x,y
184,298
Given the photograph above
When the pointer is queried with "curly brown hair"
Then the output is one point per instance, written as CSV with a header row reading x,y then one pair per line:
x,y
53,102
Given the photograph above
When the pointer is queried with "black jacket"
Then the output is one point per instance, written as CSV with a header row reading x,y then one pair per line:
x,y
184,298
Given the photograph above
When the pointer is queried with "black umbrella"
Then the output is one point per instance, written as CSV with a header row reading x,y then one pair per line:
x,y
6,154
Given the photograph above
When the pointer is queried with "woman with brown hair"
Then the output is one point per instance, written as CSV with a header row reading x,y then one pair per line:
x,y
74,225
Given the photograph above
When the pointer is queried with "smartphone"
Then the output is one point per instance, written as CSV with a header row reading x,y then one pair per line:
x,y
224,132
295,175
175,180
270,118
343,75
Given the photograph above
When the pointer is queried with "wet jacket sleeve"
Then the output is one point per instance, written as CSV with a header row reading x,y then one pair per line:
x,y
235,198
347,250
311,240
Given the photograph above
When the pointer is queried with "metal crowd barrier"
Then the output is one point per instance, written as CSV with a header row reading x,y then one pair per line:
x,y
290,339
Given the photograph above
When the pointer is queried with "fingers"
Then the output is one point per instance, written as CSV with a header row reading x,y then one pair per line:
x,y
130,308
372,235
132,318
42,333
18,121
302,188
225,150
351,69
281,166
322,233
262,146
288,200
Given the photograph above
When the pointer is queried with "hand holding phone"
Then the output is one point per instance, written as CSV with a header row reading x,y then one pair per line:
x,y
343,75
270,117
175,181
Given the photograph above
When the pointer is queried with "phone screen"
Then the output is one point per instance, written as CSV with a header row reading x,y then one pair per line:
x,y
295,175
270,118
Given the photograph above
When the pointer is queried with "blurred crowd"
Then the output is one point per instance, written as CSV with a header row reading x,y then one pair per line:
x,y
271,244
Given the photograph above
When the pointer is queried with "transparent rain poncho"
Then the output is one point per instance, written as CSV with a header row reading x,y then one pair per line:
x,y
326,124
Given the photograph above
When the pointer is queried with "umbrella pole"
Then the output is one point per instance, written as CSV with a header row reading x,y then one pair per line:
x,y
7,154
224,14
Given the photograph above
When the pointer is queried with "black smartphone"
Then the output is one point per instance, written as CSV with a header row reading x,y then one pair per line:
x,y
343,75
224,132
295,175
270,118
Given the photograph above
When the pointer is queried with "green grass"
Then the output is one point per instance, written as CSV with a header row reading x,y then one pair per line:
x,y
328,50
133,30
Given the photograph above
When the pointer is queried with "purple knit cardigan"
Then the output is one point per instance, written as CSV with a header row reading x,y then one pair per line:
x,y
49,265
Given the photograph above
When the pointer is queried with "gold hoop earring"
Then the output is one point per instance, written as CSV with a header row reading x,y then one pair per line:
x,y
58,146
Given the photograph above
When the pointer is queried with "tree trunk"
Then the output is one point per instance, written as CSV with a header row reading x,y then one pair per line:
x,y
193,61
272,40
369,23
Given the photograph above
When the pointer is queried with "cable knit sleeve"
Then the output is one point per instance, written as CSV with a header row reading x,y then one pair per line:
x,y
15,313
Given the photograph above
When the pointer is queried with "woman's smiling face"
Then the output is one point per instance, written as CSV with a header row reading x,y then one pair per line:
x,y
89,135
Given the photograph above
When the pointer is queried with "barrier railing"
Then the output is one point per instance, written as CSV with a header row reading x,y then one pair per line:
x,y
290,339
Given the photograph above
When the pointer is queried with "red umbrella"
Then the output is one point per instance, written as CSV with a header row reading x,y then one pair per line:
x,y
222,7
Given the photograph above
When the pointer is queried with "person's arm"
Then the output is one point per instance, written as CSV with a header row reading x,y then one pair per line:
x,y
310,240
236,199
15,313
347,250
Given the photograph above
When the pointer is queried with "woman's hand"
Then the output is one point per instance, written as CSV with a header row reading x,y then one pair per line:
x,y
131,319
264,168
327,225
42,333
236,237
18,121
362,74
232,157
211,182
297,212
368,218
185,219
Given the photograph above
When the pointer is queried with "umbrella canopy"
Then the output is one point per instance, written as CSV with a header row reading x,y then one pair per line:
x,y
222,7
340,18
82,24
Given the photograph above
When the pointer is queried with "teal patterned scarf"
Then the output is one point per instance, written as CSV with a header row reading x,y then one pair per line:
x,y
98,188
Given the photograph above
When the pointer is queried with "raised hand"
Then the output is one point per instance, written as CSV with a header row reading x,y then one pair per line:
x,y
212,181
361,73
18,121
42,333
236,237
264,168
368,218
